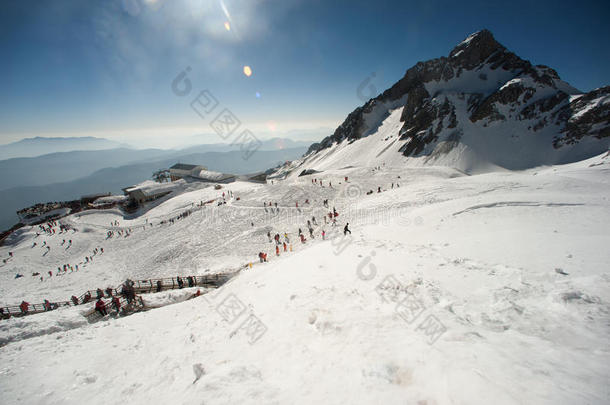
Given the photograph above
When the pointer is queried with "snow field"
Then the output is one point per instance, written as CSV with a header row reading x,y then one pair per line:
x,y
451,297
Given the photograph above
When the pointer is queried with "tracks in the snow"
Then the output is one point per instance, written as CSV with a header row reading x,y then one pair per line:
x,y
501,204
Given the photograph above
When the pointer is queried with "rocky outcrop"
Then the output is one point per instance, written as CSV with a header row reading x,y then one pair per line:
x,y
588,115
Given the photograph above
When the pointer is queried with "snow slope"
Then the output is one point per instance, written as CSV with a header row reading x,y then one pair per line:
x,y
451,289
475,150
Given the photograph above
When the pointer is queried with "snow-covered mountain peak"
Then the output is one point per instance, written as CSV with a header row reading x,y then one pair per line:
x,y
481,107
477,47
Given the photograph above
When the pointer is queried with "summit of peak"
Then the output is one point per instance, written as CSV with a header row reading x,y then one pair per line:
x,y
482,35
477,47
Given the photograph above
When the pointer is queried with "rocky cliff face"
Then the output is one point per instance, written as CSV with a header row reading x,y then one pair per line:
x,y
480,87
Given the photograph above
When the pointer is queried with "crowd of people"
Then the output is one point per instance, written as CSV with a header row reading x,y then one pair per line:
x,y
173,220
313,227
281,241
127,292
124,233
320,182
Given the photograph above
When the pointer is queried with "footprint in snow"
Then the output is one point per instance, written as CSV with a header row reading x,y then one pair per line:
x,y
199,371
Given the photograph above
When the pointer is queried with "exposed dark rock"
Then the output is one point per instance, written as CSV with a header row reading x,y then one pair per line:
x,y
308,172
582,119
541,106
487,108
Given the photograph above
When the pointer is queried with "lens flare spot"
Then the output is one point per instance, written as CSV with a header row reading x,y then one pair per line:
x,y
247,71
271,125
227,26
257,94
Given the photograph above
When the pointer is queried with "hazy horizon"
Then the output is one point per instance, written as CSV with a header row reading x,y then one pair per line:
x,y
173,139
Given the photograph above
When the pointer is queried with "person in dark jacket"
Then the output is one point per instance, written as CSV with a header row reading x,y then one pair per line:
x,y
180,282
158,285
116,304
74,300
100,307
127,291
346,229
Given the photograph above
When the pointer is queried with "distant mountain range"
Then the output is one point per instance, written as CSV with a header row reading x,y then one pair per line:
x,y
61,167
37,146
70,175
67,166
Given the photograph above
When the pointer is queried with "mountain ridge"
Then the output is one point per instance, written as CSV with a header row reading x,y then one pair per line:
x,y
481,85
40,145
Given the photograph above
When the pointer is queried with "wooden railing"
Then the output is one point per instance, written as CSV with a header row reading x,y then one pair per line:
x,y
139,286
125,308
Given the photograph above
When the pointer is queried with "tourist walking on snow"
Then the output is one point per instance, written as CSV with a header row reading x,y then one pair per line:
x,y
262,256
346,229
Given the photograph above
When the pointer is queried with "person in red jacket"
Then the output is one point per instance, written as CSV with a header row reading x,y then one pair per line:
x,y
277,250
24,307
302,238
285,246
101,307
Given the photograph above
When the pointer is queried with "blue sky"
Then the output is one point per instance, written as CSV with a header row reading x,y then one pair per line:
x,y
105,68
